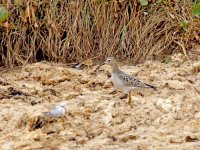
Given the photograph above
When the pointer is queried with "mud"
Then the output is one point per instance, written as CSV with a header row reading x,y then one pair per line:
x,y
168,118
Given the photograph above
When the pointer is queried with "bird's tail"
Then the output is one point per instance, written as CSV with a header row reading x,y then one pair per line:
x,y
151,86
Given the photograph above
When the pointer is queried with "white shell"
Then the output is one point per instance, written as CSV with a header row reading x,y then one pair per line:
x,y
58,111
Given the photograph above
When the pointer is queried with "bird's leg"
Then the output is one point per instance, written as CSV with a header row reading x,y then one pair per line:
x,y
129,98
123,96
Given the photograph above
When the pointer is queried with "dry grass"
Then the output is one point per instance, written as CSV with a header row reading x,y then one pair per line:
x,y
75,30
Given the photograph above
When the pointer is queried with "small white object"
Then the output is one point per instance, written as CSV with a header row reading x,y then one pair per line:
x,y
145,13
58,111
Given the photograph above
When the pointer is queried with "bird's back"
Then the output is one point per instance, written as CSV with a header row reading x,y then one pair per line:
x,y
131,81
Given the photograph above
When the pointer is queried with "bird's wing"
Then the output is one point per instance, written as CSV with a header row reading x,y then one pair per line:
x,y
129,80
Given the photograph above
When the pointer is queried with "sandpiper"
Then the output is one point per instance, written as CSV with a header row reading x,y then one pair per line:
x,y
123,81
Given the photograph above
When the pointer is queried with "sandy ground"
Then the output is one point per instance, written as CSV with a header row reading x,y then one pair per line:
x,y
168,118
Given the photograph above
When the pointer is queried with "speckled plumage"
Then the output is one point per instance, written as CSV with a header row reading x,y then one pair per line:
x,y
130,81
124,81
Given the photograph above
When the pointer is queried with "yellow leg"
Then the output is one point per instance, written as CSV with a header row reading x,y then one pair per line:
x,y
129,98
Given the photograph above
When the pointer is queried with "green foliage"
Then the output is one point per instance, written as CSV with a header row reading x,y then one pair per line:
x,y
165,2
4,14
196,9
184,24
144,2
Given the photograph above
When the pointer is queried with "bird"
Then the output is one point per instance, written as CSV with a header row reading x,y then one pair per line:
x,y
123,81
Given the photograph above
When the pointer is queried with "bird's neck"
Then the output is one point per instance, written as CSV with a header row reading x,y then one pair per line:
x,y
115,68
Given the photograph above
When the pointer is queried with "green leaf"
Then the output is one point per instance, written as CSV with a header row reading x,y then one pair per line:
x,y
196,9
184,24
144,2
4,14
165,2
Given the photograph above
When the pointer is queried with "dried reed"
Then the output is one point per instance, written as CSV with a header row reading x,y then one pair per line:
x,y
65,31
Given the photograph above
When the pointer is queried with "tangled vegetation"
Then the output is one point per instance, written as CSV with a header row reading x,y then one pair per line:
x,y
70,30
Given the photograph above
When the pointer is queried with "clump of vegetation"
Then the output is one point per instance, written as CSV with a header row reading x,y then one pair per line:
x,y
74,30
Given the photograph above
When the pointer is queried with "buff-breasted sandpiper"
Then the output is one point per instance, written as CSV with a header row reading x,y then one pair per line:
x,y
123,81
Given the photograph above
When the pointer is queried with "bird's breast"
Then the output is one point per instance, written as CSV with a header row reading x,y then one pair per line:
x,y
116,81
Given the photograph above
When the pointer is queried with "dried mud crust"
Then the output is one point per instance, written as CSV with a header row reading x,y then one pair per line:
x,y
165,119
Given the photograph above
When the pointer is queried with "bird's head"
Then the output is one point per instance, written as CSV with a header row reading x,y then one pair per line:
x,y
110,61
